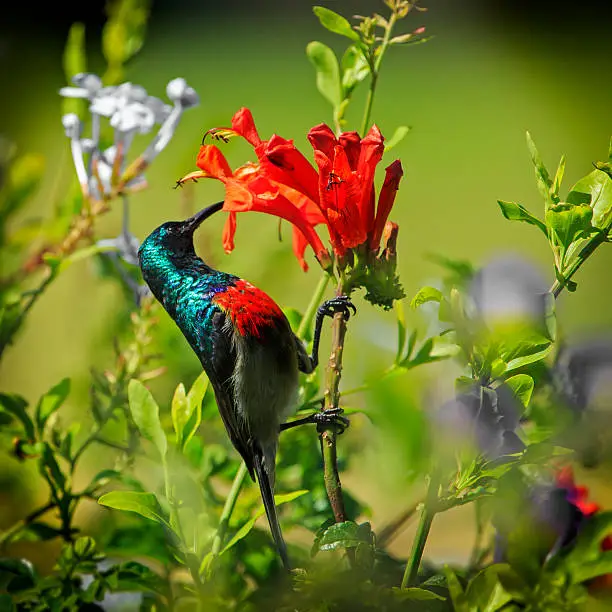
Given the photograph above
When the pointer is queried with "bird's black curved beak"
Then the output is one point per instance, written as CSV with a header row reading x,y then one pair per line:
x,y
191,225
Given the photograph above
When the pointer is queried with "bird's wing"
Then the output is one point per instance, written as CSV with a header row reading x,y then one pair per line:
x,y
223,362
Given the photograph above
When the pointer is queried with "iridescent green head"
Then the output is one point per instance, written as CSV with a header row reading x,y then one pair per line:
x,y
175,238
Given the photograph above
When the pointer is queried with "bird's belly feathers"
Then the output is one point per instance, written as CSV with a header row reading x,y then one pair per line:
x,y
265,385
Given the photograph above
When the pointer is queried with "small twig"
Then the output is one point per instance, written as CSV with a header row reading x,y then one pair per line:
x,y
390,531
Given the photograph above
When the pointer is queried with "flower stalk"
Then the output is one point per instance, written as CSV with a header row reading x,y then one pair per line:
x,y
328,434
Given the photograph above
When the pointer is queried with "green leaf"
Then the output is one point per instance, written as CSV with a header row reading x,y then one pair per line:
x,y
542,176
401,329
248,526
50,402
516,212
144,504
145,413
522,387
179,413
51,467
187,410
346,535
416,594
335,23
195,397
519,362
328,73
74,60
16,405
16,575
460,603
399,135
426,294
569,222
355,69
558,178
495,587
595,190
123,34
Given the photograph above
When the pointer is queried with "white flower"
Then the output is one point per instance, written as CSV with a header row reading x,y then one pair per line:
x,y
87,86
179,92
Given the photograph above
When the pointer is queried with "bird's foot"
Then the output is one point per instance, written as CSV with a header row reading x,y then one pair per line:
x,y
331,416
322,419
342,304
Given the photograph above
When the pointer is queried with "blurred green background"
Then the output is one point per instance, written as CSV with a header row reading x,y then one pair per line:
x,y
491,72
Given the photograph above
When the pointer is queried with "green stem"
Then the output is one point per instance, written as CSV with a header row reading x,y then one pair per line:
x,y
584,254
331,475
375,70
418,546
311,309
11,532
228,509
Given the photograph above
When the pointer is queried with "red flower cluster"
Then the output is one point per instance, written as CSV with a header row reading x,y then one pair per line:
x,y
578,497
283,183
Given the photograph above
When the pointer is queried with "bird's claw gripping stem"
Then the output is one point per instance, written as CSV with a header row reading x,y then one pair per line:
x,y
322,419
331,416
329,308
342,304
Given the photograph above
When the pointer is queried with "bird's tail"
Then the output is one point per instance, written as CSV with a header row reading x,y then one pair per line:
x,y
266,480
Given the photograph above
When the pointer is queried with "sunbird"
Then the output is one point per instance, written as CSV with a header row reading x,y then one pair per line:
x,y
245,345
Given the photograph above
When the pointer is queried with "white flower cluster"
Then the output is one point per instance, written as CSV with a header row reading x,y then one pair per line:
x,y
130,111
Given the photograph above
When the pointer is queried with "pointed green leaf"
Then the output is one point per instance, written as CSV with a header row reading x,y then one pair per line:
x,y
516,212
426,294
399,135
558,178
50,402
328,73
335,23
145,413
355,69
542,176
16,405
179,412
144,504
248,526
520,362
569,222
595,190
522,387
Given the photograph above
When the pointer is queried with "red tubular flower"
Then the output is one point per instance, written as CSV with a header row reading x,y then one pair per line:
x,y
248,189
340,195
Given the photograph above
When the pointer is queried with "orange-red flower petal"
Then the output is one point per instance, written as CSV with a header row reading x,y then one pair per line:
x,y
393,176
